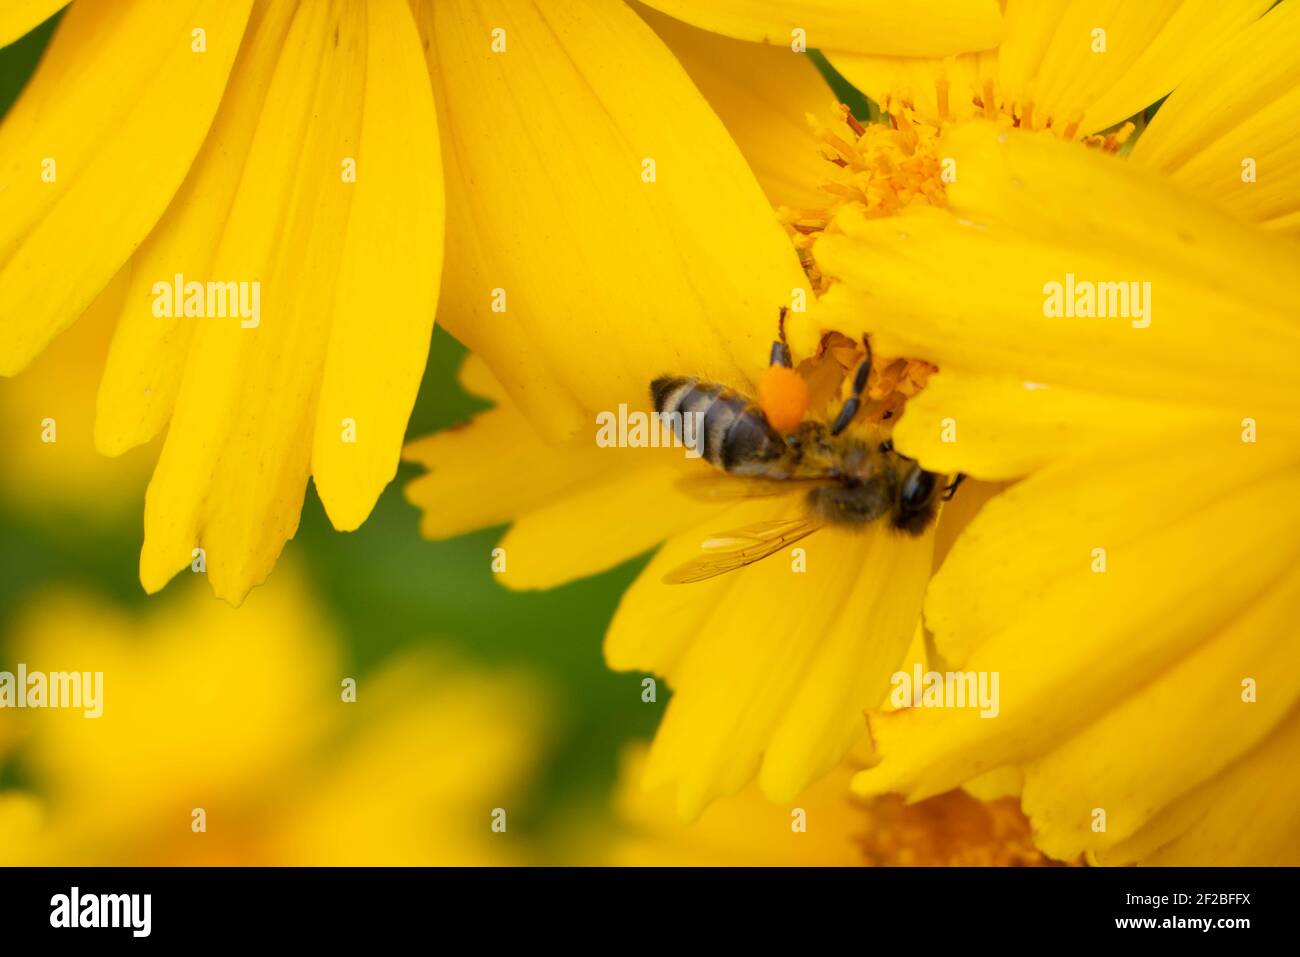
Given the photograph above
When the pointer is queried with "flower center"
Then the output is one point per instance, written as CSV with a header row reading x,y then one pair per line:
x,y
881,167
884,168
952,829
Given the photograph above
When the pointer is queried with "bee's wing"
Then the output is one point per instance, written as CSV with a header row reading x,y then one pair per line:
x,y
744,546
712,485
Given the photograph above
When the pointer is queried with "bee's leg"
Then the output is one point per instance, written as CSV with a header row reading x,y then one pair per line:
x,y
854,401
951,490
781,348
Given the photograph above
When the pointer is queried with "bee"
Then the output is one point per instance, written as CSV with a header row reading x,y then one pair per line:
x,y
765,445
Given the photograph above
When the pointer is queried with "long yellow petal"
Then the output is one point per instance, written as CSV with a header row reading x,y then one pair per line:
x,y
598,526
493,469
19,17
387,289
1190,724
1068,637
894,27
575,509
1078,66
1240,107
762,687
89,166
764,94
598,203
1245,816
747,830
234,467
147,358
1001,427
1058,214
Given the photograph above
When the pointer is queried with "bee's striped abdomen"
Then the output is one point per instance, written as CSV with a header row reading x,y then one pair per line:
x,y
736,435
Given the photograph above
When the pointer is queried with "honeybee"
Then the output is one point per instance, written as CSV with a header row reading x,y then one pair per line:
x,y
764,444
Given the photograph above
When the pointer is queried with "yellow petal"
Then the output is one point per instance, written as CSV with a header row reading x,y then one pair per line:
x,y
896,27
599,525
576,509
387,288
20,17
54,398
234,467
1069,640
119,151
477,379
1244,816
764,95
607,280
147,358
747,830
1187,726
1242,103
1073,65
1030,211
1002,428
771,668
493,469
1149,48
938,90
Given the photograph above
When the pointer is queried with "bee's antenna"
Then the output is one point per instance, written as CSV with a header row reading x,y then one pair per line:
x,y
781,348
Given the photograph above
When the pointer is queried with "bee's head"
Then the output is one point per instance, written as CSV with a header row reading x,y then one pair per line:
x,y
916,501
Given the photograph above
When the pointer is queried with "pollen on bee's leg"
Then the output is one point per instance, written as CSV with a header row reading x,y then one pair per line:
x,y
783,397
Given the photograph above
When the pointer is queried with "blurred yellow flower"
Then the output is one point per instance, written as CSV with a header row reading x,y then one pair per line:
x,y
1136,591
242,715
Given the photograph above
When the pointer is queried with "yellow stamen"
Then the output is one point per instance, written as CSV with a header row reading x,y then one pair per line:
x,y
941,95
990,104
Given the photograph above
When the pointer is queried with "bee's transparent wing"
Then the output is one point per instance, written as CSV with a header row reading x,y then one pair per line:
x,y
744,546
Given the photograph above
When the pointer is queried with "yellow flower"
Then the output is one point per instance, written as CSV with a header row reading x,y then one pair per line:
x,y
290,155
204,143
686,276
1074,67
242,714
828,827
1136,591
1071,70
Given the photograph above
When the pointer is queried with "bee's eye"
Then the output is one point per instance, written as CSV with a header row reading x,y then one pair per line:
x,y
918,488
